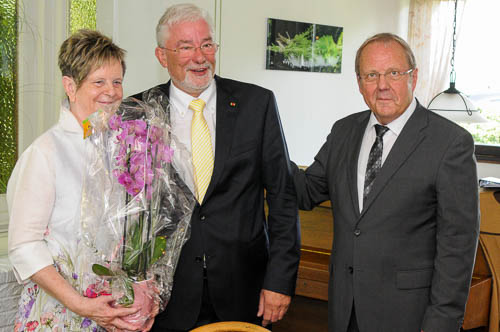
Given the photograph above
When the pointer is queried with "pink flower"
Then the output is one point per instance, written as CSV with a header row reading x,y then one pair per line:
x,y
167,153
115,122
139,144
136,162
93,292
32,325
89,292
46,318
139,127
156,134
122,136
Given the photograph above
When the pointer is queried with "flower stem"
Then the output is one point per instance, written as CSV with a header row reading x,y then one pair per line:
x,y
124,244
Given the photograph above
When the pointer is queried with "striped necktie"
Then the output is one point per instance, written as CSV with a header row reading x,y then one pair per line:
x,y
201,145
374,160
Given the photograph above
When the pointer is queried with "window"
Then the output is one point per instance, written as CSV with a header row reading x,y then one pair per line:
x,y
478,74
82,15
8,93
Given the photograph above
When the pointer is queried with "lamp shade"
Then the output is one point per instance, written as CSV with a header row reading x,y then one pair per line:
x,y
455,106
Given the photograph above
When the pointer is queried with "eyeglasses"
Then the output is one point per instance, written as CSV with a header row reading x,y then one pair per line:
x,y
188,51
390,75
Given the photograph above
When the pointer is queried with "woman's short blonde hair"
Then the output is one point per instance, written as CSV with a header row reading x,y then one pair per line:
x,y
85,51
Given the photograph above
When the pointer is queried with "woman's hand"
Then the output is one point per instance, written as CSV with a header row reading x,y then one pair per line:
x,y
146,300
98,309
101,311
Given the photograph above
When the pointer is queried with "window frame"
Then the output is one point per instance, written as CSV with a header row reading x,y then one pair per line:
x,y
488,153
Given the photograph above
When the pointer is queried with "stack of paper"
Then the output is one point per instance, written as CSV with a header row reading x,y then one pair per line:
x,y
489,182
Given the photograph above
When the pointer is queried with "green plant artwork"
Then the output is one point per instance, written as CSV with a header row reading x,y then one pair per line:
x,y
303,46
8,93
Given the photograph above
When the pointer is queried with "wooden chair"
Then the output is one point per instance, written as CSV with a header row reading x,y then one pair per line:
x,y
230,327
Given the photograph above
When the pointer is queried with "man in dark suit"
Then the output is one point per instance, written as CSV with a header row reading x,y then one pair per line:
x,y
403,186
236,265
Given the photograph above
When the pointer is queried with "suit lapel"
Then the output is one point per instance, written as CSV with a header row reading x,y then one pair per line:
x,y
226,114
352,159
409,139
165,88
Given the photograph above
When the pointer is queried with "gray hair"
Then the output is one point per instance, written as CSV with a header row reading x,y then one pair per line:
x,y
386,37
185,12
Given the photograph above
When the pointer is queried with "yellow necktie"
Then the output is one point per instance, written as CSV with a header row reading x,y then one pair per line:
x,y
201,145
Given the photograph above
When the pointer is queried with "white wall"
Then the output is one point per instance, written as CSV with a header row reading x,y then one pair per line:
x,y
488,169
309,103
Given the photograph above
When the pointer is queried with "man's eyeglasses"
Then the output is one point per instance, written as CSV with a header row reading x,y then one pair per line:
x,y
390,75
188,51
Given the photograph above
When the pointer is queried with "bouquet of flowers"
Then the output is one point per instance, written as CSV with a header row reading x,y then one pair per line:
x,y
136,210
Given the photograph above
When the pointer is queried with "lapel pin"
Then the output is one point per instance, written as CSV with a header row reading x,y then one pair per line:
x,y
232,104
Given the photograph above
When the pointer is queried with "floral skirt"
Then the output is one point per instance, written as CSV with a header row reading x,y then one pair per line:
x,y
38,311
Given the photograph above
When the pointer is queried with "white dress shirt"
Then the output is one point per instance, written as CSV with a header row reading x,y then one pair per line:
x,y
395,128
43,196
180,119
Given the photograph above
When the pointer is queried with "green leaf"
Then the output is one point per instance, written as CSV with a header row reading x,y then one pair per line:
x,y
101,270
159,248
133,251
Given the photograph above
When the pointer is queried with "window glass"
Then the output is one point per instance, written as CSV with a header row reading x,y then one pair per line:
x,y
82,15
476,65
8,93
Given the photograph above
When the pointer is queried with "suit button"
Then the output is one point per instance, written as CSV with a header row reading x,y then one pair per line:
x,y
357,232
202,218
350,269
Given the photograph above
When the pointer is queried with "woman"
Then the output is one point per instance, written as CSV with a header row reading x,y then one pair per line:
x,y
44,194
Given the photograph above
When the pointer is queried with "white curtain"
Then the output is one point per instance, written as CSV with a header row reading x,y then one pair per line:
x,y
430,35
42,28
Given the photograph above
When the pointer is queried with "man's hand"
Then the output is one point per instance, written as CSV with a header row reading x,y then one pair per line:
x,y
272,306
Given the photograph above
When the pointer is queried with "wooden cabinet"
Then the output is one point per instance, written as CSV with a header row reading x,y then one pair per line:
x,y
317,235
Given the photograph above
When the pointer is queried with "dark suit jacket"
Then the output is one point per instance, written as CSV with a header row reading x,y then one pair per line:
x,y
406,260
244,252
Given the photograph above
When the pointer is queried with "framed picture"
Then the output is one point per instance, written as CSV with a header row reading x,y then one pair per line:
x,y
303,46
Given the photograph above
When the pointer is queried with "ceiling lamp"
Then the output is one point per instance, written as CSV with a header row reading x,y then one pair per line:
x,y
451,103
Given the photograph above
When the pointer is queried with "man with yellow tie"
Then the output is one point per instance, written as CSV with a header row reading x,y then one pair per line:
x,y
237,265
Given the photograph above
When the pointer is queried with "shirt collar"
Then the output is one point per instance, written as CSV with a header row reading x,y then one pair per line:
x,y
181,98
68,120
397,125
